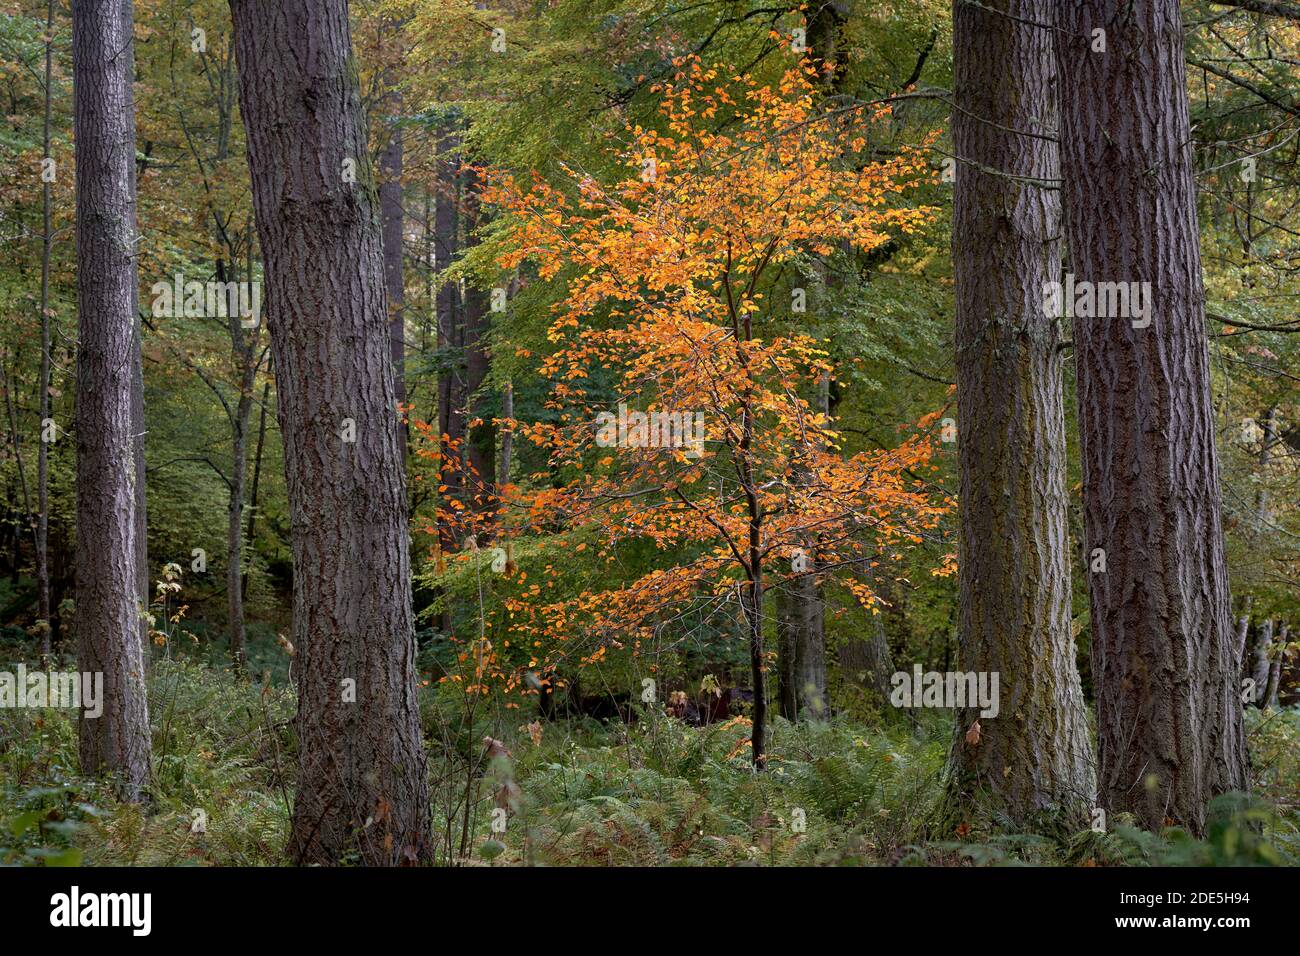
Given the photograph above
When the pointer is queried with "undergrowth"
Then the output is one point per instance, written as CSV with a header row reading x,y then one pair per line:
x,y
654,792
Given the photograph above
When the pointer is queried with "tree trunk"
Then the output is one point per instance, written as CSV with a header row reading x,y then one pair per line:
x,y
43,450
867,661
362,788
244,348
450,341
1243,630
801,621
1014,577
1168,711
257,474
507,436
1272,692
481,439
109,615
137,362
391,214
1261,661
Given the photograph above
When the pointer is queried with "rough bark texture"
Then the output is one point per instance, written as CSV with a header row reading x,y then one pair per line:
x,y
1014,578
1168,711
108,611
362,790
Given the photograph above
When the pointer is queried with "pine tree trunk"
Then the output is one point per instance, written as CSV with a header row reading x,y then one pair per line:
x,y
362,789
1014,577
109,616
1168,711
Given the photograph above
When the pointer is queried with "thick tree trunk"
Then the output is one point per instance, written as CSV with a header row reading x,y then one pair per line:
x,y
1014,577
1168,711
108,611
362,790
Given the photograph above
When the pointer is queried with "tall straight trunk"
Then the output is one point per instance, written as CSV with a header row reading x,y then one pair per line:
x,y
1014,578
391,214
43,450
1168,712
137,368
450,339
507,436
481,438
244,348
108,610
257,473
362,789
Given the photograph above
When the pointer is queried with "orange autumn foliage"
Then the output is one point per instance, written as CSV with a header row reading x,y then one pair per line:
x,y
669,272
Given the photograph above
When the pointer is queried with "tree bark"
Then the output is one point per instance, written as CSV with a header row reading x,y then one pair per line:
x,y
1168,711
43,450
1014,577
391,214
362,787
450,342
481,438
1261,661
137,361
109,616
257,473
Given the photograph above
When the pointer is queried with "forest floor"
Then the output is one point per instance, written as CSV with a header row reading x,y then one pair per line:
x,y
652,792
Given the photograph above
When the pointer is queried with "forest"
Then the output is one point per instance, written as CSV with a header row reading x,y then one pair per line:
x,y
647,433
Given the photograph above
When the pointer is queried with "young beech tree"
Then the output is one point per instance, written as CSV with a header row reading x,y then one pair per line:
x,y
362,785
726,465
